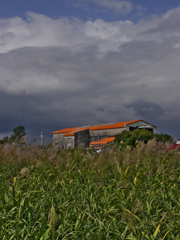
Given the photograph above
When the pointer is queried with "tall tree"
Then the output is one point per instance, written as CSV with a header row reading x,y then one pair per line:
x,y
18,133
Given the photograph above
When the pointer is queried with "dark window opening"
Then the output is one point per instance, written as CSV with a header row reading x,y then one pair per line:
x,y
132,128
93,139
149,129
102,137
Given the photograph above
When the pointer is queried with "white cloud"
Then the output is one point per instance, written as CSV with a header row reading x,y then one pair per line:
x,y
71,71
38,30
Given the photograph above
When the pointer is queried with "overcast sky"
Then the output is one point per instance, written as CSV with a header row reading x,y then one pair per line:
x,y
66,63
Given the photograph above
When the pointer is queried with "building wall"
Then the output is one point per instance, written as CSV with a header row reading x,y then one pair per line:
x,y
58,140
69,145
81,139
106,132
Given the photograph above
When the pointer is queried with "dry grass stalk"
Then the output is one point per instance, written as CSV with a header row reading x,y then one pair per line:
x,y
24,172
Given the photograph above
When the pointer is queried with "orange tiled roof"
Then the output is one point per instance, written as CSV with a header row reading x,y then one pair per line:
x,y
115,125
66,130
103,141
112,125
76,130
72,131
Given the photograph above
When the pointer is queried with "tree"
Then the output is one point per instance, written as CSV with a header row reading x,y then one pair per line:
x,y
163,137
19,133
130,138
142,135
124,138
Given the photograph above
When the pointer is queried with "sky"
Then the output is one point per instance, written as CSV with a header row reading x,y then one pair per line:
x,y
70,63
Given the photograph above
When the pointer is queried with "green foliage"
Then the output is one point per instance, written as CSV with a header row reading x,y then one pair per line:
x,y
127,138
162,137
18,133
77,194
131,138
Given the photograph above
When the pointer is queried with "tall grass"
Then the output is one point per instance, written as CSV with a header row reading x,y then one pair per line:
x,y
79,194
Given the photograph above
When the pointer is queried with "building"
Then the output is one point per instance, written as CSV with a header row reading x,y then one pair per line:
x,y
96,136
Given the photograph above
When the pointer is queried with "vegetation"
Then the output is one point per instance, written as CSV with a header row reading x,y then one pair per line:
x,y
4,140
18,134
130,139
79,194
163,137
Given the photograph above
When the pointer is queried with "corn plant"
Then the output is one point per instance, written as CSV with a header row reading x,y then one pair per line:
x,y
79,194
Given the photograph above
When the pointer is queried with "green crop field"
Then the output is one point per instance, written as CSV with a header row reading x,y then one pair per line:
x,y
79,194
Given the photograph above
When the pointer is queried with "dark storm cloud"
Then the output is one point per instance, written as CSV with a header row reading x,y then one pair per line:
x,y
62,73
154,112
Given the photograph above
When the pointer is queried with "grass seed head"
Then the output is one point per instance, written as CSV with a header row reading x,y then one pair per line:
x,y
24,172
53,217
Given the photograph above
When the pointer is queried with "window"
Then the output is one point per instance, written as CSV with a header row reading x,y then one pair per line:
x,y
56,141
93,139
102,137
69,140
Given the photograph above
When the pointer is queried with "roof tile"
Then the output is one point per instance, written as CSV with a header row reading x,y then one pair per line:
x,y
102,141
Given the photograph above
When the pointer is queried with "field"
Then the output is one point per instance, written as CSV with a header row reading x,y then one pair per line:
x,y
79,194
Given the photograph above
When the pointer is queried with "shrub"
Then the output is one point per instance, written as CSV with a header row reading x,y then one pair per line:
x,y
131,138
127,138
